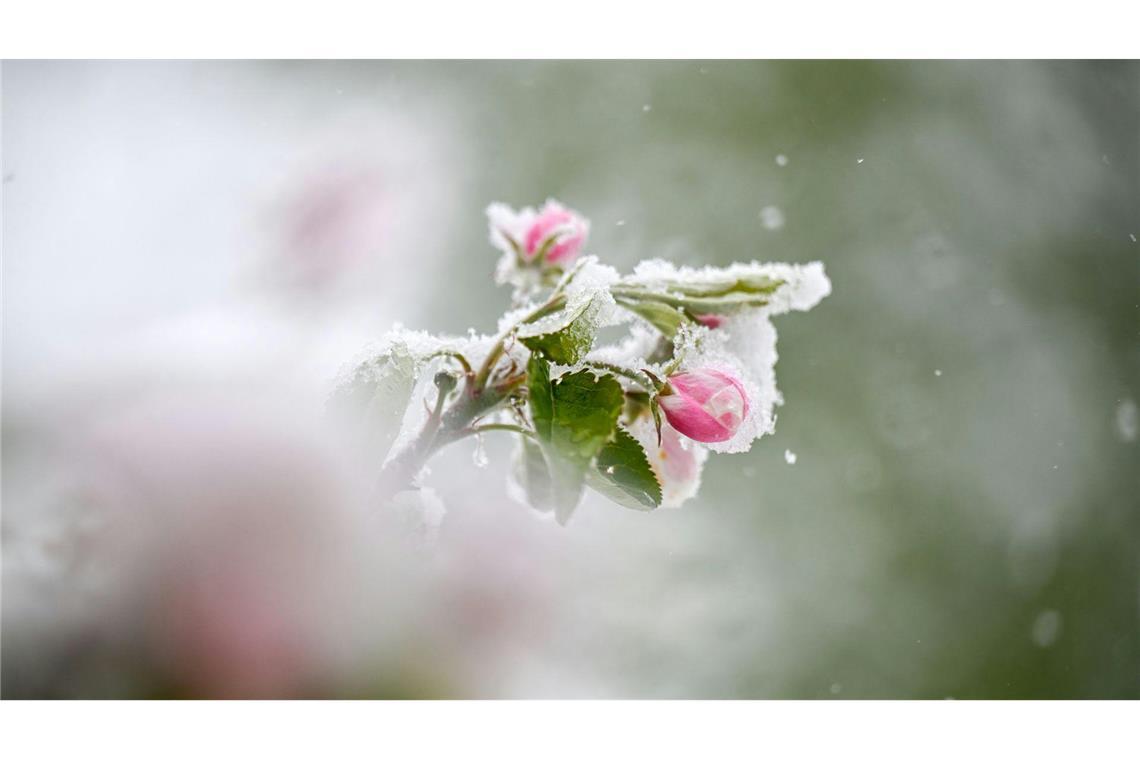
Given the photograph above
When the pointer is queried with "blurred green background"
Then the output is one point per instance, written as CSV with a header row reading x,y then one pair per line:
x,y
963,517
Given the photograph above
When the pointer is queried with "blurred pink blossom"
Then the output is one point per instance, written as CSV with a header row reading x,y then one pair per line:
x,y
336,221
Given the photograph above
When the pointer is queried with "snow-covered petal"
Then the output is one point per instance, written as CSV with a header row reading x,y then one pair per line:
x,y
677,462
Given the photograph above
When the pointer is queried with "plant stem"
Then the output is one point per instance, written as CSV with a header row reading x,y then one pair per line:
x,y
476,400
478,429
633,375
438,431
553,303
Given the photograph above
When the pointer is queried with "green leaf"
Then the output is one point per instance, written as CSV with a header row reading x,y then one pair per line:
x,y
374,397
667,319
532,474
574,416
743,284
565,336
622,473
726,296
540,396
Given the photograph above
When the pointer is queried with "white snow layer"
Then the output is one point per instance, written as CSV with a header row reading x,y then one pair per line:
x,y
744,344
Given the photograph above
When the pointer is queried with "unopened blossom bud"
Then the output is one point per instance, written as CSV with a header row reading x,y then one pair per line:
x,y
711,321
559,230
706,405
554,232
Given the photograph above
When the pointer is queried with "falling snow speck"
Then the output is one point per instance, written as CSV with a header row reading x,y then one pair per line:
x,y
858,160
781,160
836,688
620,222
772,217
1046,628
647,108
1133,236
1127,419
938,373
790,456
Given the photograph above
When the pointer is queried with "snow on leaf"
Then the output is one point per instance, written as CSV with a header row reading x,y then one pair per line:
x,y
574,416
373,395
666,318
784,287
566,336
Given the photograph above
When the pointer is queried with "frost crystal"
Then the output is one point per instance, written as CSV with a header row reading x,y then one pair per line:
x,y
505,224
805,285
634,351
587,298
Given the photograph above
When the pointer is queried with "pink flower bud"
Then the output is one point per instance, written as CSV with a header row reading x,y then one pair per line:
x,y
706,405
526,233
562,229
711,321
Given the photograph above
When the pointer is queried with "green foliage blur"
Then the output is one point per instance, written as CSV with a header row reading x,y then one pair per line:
x,y
963,519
